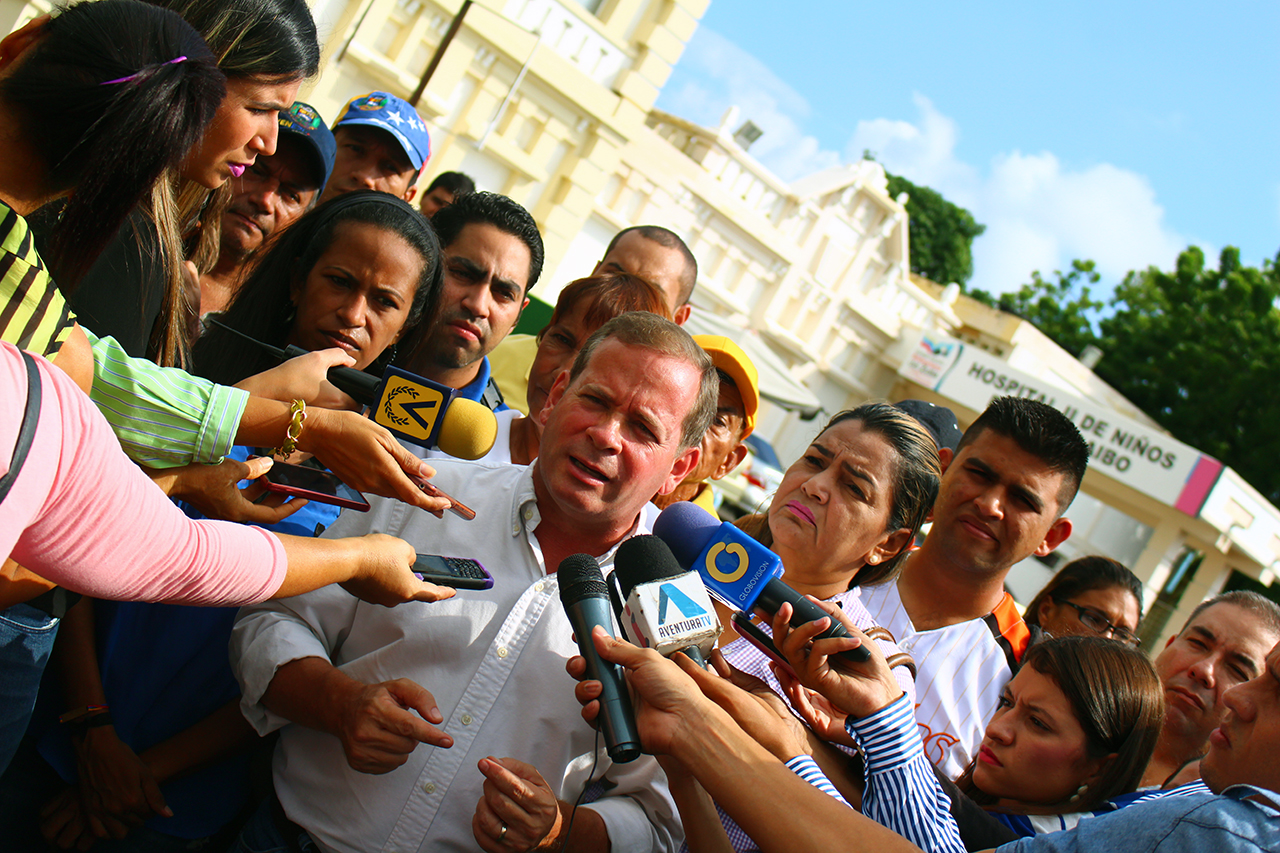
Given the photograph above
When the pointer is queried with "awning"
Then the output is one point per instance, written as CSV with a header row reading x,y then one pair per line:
x,y
776,382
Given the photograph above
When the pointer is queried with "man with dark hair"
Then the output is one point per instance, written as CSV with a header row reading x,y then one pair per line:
x,y
271,194
382,145
452,726
1223,643
1001,500
492,258
658,256
447,188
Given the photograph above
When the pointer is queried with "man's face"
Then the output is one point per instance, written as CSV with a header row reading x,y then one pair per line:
x,y
369,159
611,439
637,255
1222,647
434,200
271,194
997,504
486,271
1244,747
722,447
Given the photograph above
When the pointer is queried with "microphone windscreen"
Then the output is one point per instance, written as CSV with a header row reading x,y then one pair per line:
x,y
644,559
580,578
687,529
468,430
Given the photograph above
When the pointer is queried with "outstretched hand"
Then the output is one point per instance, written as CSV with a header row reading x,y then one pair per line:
x,y
215,490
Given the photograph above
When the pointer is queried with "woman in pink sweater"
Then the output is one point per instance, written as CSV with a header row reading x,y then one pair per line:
x,y
79,513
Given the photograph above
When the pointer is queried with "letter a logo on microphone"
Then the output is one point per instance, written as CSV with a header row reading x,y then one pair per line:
x,y
734,550
669,592
409,408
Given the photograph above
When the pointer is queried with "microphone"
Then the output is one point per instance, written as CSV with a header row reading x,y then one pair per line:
x,y
586,601
737,569
415,409
666,607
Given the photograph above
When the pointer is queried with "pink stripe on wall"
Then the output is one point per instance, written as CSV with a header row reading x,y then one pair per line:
x,y
1202,479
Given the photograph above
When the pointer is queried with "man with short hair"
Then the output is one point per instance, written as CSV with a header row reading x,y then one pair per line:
x,y
447,188
373,761
1000,500
382,145
1223,644
650,252
492,259
271,194
723,447
658,256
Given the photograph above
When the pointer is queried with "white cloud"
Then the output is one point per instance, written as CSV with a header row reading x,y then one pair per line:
x,y
716,74
1040,214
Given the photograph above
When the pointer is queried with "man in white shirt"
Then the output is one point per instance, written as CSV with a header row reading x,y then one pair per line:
x,y
1001,499
446,727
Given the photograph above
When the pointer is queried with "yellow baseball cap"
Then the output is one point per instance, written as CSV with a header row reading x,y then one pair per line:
x,y
729,357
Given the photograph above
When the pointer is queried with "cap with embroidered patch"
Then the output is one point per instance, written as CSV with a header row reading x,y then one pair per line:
x,y
394,115
302,122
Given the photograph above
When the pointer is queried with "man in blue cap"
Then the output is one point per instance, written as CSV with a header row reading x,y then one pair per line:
x,y
268,197
382,145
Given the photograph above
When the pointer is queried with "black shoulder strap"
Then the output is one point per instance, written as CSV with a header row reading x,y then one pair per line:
x,y
26,432
492,396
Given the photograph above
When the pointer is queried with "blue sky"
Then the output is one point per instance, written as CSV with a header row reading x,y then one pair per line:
x,y
1117,131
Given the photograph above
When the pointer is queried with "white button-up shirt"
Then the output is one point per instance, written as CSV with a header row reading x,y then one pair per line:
x,y
494,661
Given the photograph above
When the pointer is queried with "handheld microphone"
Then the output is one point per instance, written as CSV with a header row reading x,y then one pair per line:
x,y
667,607
415,409
586,601
737,569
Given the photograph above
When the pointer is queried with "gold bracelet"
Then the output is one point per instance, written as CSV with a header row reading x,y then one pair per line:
x,y
298,414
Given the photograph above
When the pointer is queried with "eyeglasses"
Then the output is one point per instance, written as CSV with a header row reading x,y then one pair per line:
x,y
1097,623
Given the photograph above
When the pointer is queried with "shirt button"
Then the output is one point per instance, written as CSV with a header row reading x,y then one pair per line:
x,y
539,586
466,719
502,651
429,787
528,513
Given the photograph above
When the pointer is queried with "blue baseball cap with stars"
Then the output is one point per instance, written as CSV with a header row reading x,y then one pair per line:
x,y
394,115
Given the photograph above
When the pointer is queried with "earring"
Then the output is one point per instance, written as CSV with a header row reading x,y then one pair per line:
x,y
293,313
1075,798
873,559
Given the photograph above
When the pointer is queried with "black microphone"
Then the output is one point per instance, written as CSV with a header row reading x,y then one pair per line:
x,y
666,606
417,410
586,601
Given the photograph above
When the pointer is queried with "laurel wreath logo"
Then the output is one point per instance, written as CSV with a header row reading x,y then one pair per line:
x,y
387,409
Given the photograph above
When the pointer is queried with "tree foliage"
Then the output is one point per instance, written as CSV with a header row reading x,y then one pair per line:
x,y
941,234
1197,349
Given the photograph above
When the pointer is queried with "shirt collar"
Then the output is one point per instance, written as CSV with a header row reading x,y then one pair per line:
x,y
1269,800
474,389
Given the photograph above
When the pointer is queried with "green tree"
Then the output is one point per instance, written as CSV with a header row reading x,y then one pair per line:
x,y
1062,308
941,233
1197,349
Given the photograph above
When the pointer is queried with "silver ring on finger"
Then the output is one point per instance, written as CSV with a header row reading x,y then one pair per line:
x,y
502,833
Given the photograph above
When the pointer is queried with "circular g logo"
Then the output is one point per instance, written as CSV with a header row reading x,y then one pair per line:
x,y
735,550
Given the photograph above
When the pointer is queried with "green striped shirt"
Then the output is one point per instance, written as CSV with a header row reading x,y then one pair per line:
x,y
163,416
33,314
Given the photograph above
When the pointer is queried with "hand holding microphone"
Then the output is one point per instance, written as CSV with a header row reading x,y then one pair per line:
x,y
738,570
413,408
586,602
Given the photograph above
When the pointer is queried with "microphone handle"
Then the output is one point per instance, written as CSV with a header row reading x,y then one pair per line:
x,y
617,719
695,654
775,592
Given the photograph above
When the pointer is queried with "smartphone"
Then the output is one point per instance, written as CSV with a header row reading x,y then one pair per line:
x,y
313,484
457,572
751,632
457,507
